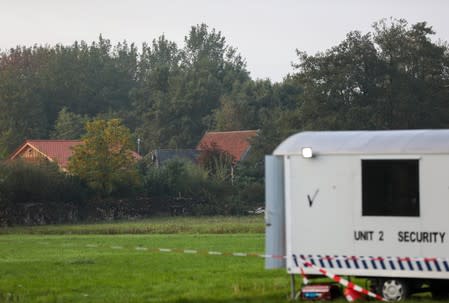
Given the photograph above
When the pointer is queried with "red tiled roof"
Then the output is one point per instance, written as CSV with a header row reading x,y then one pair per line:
x,y
55,150
236,143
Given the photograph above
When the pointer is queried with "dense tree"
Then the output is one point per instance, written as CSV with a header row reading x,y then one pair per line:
x,y
169,95
157,73
394,78
218,163
37,82
22,107
209,69
69,125
91,79
105,160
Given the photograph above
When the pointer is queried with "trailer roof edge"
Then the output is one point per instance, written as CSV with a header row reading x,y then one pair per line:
x,y
384,142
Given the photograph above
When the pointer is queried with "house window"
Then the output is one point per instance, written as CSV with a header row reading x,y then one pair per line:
x,y
390,188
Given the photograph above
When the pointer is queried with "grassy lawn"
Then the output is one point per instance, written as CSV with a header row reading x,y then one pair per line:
x,y
79,263
202,225
95,263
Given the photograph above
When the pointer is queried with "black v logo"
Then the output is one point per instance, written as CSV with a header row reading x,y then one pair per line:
x,y
313,198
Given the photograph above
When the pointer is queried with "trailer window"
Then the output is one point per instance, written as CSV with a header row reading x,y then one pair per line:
x,y
390,188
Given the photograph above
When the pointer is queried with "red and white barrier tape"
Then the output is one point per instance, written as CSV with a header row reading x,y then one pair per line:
x,y
195,251
318,258
305,280
339,279
361,258
217,253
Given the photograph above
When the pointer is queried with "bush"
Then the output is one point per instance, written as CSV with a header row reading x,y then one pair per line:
x,y
187,186
216,162
176,177
39,194
21,182
249,183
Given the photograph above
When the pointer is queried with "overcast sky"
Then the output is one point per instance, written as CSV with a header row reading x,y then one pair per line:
x,y
266,32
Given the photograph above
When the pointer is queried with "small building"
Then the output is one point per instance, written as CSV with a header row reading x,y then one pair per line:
x,y
235,143
57,151
37,151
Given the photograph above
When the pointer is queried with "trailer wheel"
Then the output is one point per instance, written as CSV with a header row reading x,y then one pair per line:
x,y
394,289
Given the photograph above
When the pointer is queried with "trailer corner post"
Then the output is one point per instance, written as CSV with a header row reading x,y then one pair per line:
x,y
274,212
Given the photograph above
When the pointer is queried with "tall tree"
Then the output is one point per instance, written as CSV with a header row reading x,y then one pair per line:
x,y
157,72
394,78
22,106
105,161
209,69
69,125
37,82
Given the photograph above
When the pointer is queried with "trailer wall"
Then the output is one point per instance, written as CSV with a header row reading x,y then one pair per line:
x,y
325,225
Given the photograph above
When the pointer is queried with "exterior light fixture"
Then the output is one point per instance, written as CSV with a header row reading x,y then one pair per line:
x,y
307,152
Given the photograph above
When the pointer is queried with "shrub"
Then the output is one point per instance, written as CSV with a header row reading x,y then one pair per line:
x,y
176,177
22,182
218,163
249,184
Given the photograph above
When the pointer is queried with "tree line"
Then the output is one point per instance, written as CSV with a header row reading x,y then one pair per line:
x,y
168,95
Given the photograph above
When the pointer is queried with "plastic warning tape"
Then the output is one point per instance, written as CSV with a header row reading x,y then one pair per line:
x,y
195,251
217,253
425,264
330,262
357,258
338,279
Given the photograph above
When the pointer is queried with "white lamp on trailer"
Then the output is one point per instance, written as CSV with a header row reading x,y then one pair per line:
x,y
307,152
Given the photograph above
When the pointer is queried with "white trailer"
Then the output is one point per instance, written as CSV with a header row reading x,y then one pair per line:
x,y
371,204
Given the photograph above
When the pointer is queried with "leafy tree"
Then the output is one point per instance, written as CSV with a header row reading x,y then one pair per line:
x,y
105,161
22,110
37,82
157,73
177,177
209,69
69,125
218,163
394,78
230,115
248,106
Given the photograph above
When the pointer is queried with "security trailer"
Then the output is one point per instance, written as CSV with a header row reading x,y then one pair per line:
x,y
371,204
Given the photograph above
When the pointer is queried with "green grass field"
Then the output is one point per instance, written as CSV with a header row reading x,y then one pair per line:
x,y
173,225
117,262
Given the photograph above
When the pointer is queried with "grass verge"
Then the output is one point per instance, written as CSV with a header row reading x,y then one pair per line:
x,y
172,225
96,268
117,262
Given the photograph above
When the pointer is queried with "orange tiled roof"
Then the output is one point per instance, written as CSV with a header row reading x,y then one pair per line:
x,y
58,151
235,143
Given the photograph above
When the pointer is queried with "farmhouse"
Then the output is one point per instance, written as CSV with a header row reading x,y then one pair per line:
x,y
57,151
37,151
235,143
